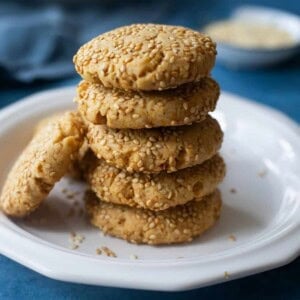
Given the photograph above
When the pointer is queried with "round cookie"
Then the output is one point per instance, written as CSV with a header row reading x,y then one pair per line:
x,y
116,108
175,225
146,57
77,167
154,150
155,191
43,162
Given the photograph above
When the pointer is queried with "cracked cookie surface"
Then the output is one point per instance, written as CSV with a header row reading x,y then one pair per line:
x,y
174,225
155,191
116,108
146,57
44,161
159,149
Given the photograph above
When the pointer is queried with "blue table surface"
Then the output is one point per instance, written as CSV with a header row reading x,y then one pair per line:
x,y
278,87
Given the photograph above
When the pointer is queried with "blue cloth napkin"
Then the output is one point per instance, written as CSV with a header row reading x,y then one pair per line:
x,y
39,39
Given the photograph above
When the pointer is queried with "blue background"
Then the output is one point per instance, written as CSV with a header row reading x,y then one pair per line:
x,y
278,87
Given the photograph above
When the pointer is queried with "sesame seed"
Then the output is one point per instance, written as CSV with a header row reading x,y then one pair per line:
x,y
151,225
133,256
108,252
232,237
152,237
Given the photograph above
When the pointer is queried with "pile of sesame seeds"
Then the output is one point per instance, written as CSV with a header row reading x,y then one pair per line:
x,y
145,98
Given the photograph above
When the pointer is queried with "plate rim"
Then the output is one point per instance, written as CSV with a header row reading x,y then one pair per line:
x,y
136,272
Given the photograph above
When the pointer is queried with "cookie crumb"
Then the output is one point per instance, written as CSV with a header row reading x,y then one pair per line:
x,y
232,237
133,256
75,240
108,252
233,191
69,193
226,275
262,173
98,251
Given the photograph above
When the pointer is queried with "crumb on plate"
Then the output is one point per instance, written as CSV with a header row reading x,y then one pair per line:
x,y
105,250
232,237
75,240
133,256
262,173
233,191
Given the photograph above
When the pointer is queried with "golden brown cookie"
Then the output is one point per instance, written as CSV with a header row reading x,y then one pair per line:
x,y
155,150
116,108
155,191
44,161
77,167
45,121
175,225
146,57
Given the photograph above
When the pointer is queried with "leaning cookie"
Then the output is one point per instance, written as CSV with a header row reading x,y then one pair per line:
x,y
116,108
146,57
77,167
45,121
158,149
44,161
174,225
155,191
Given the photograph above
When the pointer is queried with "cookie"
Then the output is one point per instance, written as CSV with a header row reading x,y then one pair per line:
x,y
155,191
159,149
77,167
116,108
44,161
45,121
175,225
146,57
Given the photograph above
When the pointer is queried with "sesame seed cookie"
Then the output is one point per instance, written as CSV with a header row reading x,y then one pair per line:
x,y
44,161
45,121
77,167
158,149
175,225
116,108
146,57
155,191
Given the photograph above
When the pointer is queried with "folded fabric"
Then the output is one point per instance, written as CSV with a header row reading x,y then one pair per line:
x,y
39,39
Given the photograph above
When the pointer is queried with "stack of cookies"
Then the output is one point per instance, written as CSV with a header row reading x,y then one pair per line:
x,y
145,98
142,138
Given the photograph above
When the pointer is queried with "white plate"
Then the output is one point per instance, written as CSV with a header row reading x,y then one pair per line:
x,y
261,149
